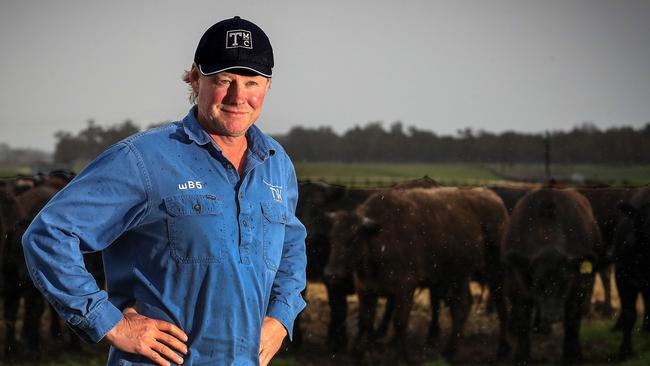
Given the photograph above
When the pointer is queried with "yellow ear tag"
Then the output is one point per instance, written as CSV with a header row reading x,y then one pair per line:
x,y
586,267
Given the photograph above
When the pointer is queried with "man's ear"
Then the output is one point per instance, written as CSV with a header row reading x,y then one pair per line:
x,y
194,77
268,85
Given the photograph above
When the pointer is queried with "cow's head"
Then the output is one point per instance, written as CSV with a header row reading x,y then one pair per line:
x,y
549,276
349,231
554,275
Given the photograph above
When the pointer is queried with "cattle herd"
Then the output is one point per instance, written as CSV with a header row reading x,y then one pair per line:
x,y
21,198
536,250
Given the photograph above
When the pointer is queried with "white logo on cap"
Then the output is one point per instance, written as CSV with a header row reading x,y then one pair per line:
x,y
239,38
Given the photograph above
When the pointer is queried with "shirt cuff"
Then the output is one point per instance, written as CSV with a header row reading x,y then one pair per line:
x,y
95,326
282,312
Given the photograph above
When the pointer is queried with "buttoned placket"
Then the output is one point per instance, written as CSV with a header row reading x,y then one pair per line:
x,y
245,210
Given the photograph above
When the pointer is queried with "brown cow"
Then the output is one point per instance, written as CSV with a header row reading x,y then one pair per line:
x,y
632,255
550,251
316,199
604,203
398,240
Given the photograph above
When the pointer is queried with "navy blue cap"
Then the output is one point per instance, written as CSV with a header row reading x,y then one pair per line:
x,y
234,44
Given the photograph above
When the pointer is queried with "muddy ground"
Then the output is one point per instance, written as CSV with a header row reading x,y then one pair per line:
x,y
477,347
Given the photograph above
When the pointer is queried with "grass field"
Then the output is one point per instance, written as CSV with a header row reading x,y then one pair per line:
x,y
381,174
635,175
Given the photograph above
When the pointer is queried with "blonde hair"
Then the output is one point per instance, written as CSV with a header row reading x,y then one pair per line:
x,y
193,94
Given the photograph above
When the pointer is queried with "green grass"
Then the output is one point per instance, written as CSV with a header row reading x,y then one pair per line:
x,y
382,174
603,344
12,170
635,175
357,174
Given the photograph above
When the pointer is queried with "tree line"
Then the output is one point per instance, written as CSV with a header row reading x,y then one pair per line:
x,y
372,142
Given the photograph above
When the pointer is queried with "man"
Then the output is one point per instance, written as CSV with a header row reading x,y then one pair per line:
x,y
204,257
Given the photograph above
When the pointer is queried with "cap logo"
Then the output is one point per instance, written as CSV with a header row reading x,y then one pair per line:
x,y
239,39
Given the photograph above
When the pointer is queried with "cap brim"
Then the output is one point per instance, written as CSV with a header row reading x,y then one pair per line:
x,y
213,69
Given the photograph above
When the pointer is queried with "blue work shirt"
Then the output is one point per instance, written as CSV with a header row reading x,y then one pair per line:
x,y
184,240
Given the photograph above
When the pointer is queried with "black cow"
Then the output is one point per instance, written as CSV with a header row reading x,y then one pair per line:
x,y
550,252
604,203
632,255
398,240
16,282
315,200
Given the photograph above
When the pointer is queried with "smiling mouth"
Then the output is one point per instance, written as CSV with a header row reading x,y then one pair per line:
x,y
234,112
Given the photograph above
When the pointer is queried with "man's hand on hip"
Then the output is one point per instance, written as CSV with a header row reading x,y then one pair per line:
x,y
273,333
155,339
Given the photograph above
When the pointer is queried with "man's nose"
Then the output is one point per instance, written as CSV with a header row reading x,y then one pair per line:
x,y
235,94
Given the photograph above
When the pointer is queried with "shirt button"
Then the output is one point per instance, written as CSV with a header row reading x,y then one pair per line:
x,y
197,207
245,223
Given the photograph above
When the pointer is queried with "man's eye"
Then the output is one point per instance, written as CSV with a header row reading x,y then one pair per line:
x,y
251,83
223,82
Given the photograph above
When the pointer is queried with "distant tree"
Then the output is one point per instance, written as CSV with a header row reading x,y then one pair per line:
x,y
90,142
319,144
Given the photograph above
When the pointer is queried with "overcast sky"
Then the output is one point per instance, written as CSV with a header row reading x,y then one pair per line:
x,y
438,65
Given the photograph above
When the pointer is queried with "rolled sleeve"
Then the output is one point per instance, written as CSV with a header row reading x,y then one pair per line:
x,y
98,206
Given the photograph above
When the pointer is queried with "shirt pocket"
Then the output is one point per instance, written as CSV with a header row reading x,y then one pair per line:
x,y
196,228
273,224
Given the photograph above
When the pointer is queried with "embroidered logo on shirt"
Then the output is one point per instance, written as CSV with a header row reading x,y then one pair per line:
x,y
239,38
190,184
276,191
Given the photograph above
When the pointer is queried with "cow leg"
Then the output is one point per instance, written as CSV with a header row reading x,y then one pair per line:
x,y
34,308
55,326
11,304
540,326
460,302
571,351
385,320
367,310
646,312
520,328
496,297
628,295
496,294
336,333
434,327
403,303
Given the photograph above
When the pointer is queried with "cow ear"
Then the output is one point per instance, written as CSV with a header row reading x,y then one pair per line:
x,y
368,227
515,259
585,264
627,209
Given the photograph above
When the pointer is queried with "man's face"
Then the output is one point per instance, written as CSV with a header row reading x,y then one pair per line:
x,y
228,103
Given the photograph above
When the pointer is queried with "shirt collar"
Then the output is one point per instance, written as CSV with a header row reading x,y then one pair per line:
x,y
258,142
